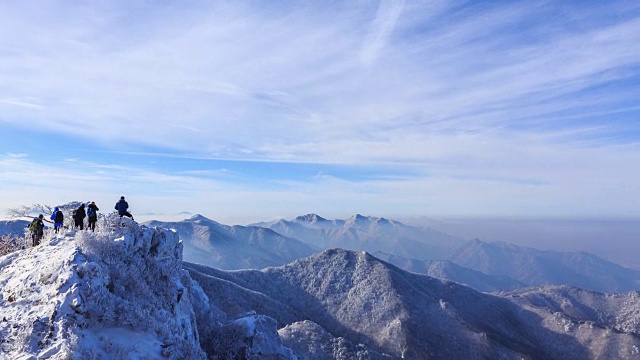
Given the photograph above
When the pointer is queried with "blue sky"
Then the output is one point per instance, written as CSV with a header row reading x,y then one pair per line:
x,y
246,111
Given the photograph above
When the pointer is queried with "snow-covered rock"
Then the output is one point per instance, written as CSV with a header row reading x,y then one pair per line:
x,y
256,337
311,341
98,295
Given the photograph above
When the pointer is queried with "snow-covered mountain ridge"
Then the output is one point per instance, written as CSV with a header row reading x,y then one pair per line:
x,y
487,266
367,233
536,267
13,227
234,247
124,292
447,270
119,293
356,297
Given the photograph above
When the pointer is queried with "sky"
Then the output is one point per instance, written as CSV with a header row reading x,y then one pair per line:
x,y
247,111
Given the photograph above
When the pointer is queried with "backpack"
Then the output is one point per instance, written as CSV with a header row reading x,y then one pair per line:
x,y
59,217
91,211
34,225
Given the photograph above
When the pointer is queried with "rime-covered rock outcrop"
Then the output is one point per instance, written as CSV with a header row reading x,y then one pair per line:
x,y
311,341
117,293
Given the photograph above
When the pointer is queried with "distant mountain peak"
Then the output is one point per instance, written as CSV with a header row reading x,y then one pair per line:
x,y
357,218
310,218
198,217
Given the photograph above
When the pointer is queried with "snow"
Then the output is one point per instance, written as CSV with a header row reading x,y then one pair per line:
x,y
248,324
62,298
124,292
117,293
36,285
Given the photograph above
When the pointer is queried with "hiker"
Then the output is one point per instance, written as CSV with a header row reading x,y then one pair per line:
x,y
58,219
92,213
37,229
78,217
122,207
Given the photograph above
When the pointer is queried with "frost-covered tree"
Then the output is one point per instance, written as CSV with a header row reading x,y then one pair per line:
x,y
9,244
25,211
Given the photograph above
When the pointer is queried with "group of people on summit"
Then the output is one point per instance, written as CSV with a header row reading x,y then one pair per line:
x,y
57,218
79,215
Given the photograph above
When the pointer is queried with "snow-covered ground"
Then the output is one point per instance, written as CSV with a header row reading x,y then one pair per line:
x,y
70,297
118,293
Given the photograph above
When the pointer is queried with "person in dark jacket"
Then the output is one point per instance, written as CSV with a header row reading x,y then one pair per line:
x,y
78,217
122,207
92,213
58,219
37,229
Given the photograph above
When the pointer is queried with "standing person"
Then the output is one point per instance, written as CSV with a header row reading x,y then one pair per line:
x,y
78,217
37,229
92,213
122,207
58,219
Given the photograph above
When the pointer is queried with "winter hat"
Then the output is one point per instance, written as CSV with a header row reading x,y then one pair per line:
x,y
121,197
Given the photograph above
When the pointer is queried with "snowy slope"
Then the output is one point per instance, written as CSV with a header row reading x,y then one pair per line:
x,y
63,299
362,299
234,247
535,267
368,233
118,293
447,270
617,312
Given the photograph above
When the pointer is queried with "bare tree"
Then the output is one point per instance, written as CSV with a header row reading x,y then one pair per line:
x,y
28,211
9,244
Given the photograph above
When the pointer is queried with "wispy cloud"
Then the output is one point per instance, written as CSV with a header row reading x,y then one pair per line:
x,y
381,28
518,92
22,103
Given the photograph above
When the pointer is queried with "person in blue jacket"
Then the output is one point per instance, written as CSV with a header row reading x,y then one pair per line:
x,y
58,219
122,207
92,213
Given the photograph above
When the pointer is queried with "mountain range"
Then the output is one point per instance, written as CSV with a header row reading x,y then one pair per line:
x,y
13,227
357,297
367,233
536,267
234,247
125,292
447,270
485,266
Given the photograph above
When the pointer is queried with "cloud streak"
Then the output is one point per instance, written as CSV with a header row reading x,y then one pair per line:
x,y
534,95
